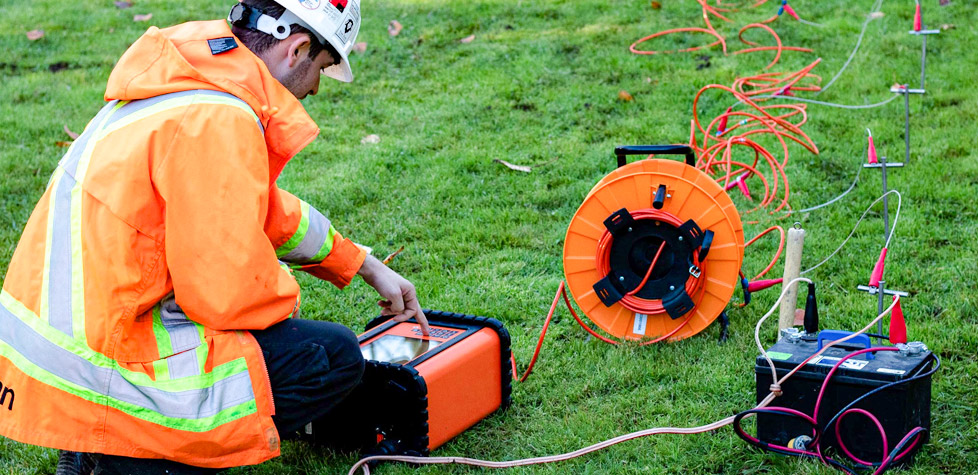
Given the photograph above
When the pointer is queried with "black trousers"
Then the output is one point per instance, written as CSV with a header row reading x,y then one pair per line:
x,y
312,365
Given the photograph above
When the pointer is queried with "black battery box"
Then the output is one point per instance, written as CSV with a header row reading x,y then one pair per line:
x,y
418,392
899,408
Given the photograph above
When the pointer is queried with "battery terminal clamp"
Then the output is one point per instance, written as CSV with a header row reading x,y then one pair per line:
x,y
914,348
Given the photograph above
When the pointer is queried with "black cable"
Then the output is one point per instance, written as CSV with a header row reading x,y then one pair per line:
x,y
907,439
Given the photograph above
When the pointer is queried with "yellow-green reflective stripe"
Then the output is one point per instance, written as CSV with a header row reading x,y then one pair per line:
x,y
163,343
161,370
173,104
201,350
300,233
327,245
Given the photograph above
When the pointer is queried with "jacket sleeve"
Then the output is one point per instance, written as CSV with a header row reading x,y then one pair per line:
x,y
306,239
214,181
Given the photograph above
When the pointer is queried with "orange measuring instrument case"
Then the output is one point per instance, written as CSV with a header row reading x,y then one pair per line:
x,y
419,392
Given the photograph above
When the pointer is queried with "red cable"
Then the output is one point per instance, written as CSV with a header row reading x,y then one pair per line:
x,y
562,292
715,153
777,255
543,333
648,272
838,433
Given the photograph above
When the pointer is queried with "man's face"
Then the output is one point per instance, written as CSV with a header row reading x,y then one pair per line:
x,y
303,79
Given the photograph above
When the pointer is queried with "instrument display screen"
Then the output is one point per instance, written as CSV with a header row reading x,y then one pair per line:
x,y
396,349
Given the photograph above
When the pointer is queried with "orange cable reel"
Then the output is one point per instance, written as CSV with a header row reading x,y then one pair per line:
x,y
655,249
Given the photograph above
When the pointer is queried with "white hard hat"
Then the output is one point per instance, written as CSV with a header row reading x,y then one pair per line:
x,y
336,22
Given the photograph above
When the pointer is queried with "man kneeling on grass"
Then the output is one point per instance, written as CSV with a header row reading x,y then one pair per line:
x,y
149,311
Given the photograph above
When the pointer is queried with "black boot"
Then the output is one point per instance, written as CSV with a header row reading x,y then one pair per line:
x,y
75,463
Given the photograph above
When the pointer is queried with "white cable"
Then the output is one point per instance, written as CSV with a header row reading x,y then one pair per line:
x,y
892,229
362,464
870,17
831,104
757,329
837,198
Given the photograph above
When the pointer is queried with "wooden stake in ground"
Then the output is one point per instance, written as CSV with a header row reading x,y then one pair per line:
x,y
792,268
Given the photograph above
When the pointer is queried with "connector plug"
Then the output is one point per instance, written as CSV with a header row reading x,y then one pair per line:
x,y
811,311
917,23
898,326
877,275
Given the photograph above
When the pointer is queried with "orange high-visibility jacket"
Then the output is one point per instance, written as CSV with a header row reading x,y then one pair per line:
x,y
159,241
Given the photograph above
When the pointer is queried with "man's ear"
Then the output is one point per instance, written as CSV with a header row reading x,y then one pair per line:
x,y
296,48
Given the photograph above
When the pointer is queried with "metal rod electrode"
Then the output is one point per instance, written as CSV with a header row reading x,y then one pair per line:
x,y
923,60
906,130
886,205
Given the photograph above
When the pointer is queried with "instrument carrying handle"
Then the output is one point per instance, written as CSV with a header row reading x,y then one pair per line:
x,y
624,150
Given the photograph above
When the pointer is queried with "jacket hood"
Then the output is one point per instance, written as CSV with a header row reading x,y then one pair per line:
x,y
179,58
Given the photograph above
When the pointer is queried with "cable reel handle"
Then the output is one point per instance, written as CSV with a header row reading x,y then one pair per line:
x,y
623,150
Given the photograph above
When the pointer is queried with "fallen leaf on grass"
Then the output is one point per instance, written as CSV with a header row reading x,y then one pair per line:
x,y
947,26
145,17
394,28
360,47
70,133
372,138
122,5
392,255
524,168
624,96
467,39
519,168
35,35
876,15
656,5
62,143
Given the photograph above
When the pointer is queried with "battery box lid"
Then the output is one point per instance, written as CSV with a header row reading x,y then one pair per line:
x,y
883,367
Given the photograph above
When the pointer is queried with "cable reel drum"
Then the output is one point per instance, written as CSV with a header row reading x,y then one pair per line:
x,y
655,248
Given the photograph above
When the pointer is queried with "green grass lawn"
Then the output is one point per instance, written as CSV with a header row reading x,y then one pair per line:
x,y
540,81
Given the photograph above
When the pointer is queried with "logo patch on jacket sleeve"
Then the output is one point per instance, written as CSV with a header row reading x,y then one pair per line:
x,y
222,45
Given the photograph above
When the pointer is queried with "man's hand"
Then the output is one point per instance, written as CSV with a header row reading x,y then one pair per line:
x,y
401,300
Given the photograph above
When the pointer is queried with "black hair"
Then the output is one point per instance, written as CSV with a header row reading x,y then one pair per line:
x,y
259,42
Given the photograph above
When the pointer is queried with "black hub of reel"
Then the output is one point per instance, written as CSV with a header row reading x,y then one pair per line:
x,y
632,251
